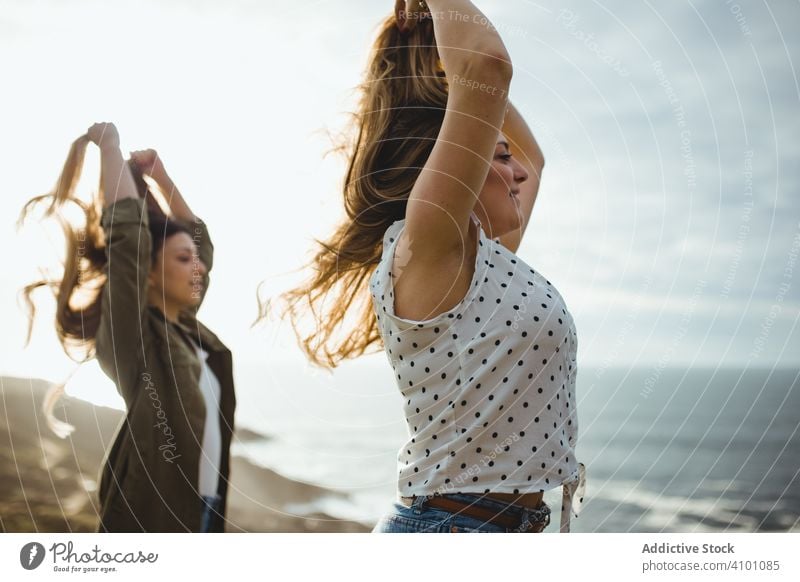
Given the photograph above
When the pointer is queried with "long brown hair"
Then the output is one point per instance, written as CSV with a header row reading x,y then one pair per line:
x,y
402,106
76,325
78,291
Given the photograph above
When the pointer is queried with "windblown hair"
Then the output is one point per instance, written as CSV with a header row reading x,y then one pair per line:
x,y
401,110
78,292
83,261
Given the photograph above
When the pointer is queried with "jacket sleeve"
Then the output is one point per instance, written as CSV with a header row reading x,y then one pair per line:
x,y
120,335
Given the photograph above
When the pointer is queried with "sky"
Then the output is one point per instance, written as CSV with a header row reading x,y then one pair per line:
x,y
668,215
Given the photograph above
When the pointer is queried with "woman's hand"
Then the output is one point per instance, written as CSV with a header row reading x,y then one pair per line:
x,y
116,180
104,134
148,162
408,12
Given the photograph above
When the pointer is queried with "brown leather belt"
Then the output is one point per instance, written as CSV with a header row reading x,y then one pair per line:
x,y
478,512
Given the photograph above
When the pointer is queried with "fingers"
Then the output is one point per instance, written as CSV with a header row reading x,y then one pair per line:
x,y
103,133
144,159
102,126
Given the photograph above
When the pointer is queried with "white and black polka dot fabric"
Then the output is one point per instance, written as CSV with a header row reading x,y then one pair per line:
x,y
488,386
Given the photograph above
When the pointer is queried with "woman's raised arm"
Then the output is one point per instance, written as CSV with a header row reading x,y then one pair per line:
x,y
116,180
149,163
478,71
119,340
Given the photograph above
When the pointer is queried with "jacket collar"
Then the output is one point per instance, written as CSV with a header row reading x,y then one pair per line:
x,y
192,327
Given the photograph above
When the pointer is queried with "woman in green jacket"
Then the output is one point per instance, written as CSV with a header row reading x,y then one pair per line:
x,y
146,274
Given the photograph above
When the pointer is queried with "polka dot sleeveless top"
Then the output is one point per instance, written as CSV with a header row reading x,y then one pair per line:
x,y
488,386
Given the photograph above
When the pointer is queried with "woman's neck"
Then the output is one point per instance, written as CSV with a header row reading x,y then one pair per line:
x,y
171,312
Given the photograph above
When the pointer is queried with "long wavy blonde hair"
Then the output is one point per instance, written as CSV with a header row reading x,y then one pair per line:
x,y
78,291
403,98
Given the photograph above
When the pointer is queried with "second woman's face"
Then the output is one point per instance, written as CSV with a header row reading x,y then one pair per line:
x,y
177,274
498,203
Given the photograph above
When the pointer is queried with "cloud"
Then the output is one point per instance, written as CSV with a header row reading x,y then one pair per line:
x,y
235,96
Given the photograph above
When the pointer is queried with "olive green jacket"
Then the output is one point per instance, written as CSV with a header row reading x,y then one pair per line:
x,y
149,478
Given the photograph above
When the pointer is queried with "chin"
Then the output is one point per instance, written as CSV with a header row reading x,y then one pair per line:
x,y
505,221
189,302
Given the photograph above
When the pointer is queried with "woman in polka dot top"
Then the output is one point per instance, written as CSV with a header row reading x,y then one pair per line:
x,y
443,176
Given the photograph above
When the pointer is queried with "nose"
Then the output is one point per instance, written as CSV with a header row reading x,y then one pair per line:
x,y
520,173
201,266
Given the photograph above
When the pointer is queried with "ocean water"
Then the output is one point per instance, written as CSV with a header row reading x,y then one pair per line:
x,y
690,450
666,450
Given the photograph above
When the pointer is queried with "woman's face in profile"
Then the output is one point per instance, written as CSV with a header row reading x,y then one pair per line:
x,y
499,201
177,273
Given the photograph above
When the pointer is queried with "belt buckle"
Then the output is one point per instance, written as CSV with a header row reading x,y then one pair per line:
x,y
540,525
537,526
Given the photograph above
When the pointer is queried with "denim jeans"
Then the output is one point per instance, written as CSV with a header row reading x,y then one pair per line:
x,y
210,505
422,519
